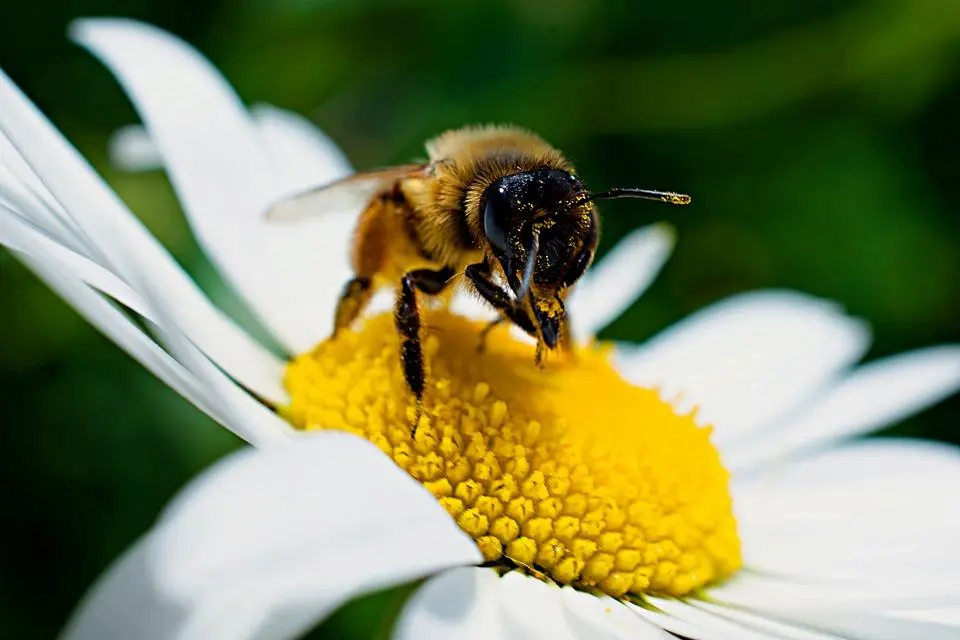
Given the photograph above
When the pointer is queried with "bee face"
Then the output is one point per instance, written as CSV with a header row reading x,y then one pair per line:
x,y
542,232
537,204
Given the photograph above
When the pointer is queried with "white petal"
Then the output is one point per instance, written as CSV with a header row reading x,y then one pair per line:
x,y
115,325
747,360
874,625
591,616
126,603
299,152
109,225
247,417
303,156
614,283
713,625
16,172
269,542
19,197
778,596
944,615
856,514
222,170
679,626
871,397
532,609
19,235
462,603
759,622
235,408
132,149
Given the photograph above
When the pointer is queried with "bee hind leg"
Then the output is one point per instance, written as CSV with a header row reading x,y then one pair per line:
x,y
407,319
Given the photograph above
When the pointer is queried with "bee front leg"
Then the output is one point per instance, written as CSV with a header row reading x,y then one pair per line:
x,y
479,276
407,319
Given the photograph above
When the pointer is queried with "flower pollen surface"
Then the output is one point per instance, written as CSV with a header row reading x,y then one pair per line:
x,y
568,471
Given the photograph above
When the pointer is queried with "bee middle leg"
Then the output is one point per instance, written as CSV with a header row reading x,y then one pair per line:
x,y
493,324
407,319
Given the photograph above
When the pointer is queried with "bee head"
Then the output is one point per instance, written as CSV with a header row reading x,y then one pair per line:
x,y
542,229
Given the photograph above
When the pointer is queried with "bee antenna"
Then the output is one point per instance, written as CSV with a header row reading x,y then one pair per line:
x,y
528,267
669,197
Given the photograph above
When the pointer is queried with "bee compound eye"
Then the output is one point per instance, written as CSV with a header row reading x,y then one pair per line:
x,y
495,213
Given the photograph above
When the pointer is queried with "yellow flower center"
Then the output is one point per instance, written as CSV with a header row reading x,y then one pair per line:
x,y
568,472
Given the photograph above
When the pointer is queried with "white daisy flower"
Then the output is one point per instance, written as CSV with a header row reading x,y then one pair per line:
x,y
563,504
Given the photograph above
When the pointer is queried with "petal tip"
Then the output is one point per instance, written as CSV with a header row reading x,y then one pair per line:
x,y
667,232
80,30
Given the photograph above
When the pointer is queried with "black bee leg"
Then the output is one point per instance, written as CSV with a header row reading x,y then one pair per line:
x,y
407,319
479,276
493,324
354,297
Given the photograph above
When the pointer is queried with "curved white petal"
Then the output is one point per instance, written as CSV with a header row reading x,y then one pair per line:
x,y
616,281
477,603
873,625
678,626
127,603
531,608
461,603
869,398
19,196
876,512
17,175
247,417
118,235
115,325
949,616
747,360
20,235
298,151
192,375
132,149
602,617
877,625
227,179
757,621
717,626
269,542
235,409
303,156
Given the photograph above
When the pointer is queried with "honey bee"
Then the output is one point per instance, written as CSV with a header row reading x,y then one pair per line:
x,y
495,208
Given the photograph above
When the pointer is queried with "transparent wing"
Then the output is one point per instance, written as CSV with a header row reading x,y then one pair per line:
x,y
349,195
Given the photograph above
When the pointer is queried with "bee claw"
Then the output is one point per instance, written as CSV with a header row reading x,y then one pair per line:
x,y
418,413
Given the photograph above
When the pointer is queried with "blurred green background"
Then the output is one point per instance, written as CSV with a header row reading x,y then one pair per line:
x,y
819,139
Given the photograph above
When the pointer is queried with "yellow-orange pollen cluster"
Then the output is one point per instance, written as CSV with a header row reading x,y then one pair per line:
x,y
567,471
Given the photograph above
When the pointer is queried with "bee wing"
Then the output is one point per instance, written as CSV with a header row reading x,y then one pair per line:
x,y
348,195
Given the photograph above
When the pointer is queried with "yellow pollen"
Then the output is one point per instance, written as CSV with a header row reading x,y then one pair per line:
x,y
568,472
